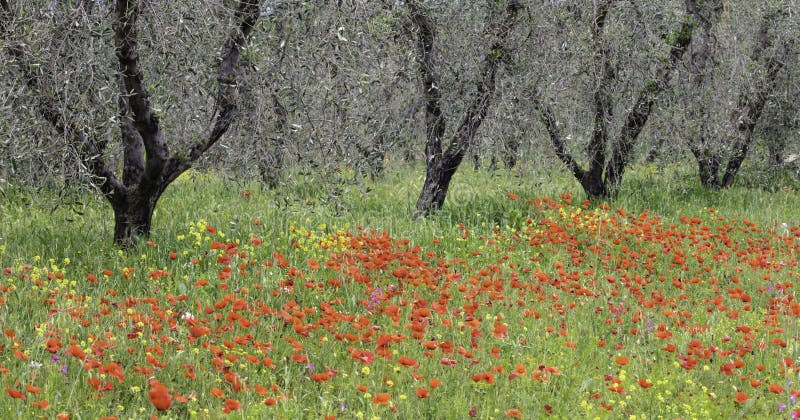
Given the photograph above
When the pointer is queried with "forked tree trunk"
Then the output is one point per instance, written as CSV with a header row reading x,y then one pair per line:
x,y
604,175
708,161
441,164
150,173
591,179
750,105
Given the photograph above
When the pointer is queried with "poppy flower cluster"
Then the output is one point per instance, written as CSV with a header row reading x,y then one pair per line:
x,y
576,303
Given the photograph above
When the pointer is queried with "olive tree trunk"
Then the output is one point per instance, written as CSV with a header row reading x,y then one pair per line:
x,y
440,163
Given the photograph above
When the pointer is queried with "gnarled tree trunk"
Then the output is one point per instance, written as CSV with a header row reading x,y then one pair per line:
x,y
440,163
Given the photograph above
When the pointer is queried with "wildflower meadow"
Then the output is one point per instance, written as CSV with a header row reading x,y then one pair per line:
x,y
517,301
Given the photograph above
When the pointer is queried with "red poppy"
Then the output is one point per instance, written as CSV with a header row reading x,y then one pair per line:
x,y
500,330
21,356
519,370
77,352
486,377
775,388
741,397
235,380
447,362
365,356
13,393
217,392
42,405
300,358
114,370
382,398
160,397
94,382
407,362
231,405
321,377
195,332
53,345
430,344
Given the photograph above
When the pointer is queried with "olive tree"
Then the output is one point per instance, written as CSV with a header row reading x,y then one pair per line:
x,y
607,154
151,156
728,89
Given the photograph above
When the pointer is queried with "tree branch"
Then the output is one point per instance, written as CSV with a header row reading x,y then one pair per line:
x,y
246,15
434,118
134,92
751,101
637,117
601,98
477,110
550,122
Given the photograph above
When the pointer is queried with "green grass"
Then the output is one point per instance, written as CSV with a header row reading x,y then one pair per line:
x,y
580,296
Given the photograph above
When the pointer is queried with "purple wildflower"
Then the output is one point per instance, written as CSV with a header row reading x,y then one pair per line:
x,y
375,296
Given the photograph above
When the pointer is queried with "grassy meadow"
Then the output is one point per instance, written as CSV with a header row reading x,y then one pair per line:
x,y
518,300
